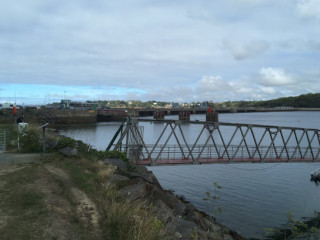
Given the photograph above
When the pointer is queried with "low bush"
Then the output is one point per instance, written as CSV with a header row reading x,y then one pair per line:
x,y
65,142
30,141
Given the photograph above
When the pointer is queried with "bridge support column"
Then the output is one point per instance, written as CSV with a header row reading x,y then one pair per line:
x,y
158,115
184,115
212,117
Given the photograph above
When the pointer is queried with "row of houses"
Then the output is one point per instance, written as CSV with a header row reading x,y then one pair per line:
x,y
68,104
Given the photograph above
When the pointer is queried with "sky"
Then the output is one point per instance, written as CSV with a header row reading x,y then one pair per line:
x,y
163,50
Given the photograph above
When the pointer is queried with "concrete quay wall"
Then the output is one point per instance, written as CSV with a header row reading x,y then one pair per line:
x,y
51,116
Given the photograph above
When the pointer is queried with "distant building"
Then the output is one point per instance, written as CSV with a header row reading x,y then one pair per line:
x,y
6,106
65,103
175,105
204,105
84,105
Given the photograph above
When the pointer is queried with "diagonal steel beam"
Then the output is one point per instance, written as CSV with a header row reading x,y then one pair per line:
x,y
258,146
177,123
123,135
239,145
195,143
255,143
271,144
185,142
165,144
286,144
208,138
135,134
224,145
318,136
244,139
214,142
157,142
298,143
309,145
231,139
273,139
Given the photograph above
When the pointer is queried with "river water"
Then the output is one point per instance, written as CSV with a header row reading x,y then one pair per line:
x,y
253,196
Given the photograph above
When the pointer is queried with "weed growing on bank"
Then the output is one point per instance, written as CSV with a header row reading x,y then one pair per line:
x,y
121,220
296,229
211,199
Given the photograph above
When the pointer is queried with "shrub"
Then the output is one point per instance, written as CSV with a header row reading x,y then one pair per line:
x,y
30,141
65,142
117,154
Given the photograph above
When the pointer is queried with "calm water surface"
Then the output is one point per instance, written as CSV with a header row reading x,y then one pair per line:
x,y
253,196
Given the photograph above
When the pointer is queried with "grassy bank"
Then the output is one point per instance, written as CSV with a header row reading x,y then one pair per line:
x,y
87,197
26,206
37,203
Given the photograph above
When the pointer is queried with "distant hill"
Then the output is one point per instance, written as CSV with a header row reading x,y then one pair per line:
x,y
310,100
306,101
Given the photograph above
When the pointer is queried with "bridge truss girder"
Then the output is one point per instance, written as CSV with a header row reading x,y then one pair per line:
x,y
220,142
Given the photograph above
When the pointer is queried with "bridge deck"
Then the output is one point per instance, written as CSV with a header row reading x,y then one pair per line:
x,y
222,160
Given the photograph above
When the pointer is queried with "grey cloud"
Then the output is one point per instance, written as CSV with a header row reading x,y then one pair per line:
x,y
275,77
242,51
298,45
309,8
157,47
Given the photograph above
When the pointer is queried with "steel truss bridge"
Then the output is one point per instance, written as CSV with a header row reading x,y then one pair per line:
x,y
194,142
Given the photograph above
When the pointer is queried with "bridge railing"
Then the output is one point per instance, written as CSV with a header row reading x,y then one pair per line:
x,y
211,153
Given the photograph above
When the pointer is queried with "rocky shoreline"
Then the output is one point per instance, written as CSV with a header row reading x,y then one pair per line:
x,y
180,218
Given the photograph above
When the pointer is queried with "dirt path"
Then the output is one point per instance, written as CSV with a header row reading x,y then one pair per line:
x,y
17,158
40,201
86,209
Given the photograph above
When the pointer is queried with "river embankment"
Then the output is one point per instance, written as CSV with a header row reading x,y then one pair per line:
x,y
80,197
181,220
60,117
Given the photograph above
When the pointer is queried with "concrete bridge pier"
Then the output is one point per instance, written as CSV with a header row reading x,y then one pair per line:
x,y
158,115
184,115
212,117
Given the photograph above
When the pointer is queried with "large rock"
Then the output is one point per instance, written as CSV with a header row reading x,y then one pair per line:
x,y
116,162
69,151
180,218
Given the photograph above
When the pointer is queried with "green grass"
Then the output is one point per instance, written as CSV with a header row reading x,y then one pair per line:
x,y
24,207
28,215
83,179
120,220
27,174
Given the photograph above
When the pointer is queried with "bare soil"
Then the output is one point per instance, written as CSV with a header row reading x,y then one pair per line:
x,y
40,201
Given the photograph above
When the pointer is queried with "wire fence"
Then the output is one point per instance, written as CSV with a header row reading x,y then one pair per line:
x,y
3,133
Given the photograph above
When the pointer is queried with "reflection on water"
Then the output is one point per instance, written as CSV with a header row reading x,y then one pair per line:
x,y
253,196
